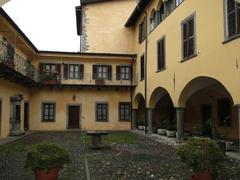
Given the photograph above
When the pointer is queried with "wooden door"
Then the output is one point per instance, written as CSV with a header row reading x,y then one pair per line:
x,y
26,116
73,117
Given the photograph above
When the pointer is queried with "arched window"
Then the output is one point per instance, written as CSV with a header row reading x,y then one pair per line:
x,y
160,13
153,20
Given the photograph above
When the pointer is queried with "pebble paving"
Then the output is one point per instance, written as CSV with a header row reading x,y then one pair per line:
x,y
140,160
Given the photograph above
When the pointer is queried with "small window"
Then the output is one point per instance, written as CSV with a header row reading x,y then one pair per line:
x,y
188,34
178,2
101,112
123,72
124,111
142,31
48,112
161,54
73,71
232,18
153,20
50,68
161,13
142,70
224,112
102,72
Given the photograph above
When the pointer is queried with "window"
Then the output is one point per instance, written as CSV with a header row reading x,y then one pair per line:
x,y
50,68
153,20
142,31
161,13
101,112
224,112
123,72
73,71
124,111
178,2
188,33
232,18
142,70
102,72
170,6
48,112
161,54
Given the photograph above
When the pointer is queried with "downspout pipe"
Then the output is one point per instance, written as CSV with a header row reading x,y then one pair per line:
x,y
131,92
145,66
145,69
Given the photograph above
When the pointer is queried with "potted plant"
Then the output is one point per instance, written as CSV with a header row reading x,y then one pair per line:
x,y
202,155
46,160
49,78
162,130
100,81
171,131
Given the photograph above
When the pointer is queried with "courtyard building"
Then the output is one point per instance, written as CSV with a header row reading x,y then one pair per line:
x,y
140,64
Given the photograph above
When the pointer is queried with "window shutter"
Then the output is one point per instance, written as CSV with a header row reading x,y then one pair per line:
x,y
59,68
118,75
94,72
81,71
65,69
41,66
109,72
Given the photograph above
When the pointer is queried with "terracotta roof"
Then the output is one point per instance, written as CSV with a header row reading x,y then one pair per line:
x,y
142,4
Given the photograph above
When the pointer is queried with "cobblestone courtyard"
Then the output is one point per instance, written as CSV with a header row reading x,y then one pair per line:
x,y
127,156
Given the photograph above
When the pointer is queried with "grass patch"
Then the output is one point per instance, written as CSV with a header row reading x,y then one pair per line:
x,y
124,137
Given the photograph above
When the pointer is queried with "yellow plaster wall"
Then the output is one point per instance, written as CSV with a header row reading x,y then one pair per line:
x,y
214,59
8,89
87,99
104,27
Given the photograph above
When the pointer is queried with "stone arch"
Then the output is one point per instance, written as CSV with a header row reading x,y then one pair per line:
x,y
163,109
197,84
139,97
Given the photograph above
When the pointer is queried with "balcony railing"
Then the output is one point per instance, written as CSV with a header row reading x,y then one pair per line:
x,y
14,61
50,78
113,80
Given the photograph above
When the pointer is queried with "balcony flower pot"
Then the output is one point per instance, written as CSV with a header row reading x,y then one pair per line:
x,y
171,134
164,124
141,127
46,160
171,131
202,155
162,131
100,82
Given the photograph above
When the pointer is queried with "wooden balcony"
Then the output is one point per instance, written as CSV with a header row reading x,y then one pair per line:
x,y
15,68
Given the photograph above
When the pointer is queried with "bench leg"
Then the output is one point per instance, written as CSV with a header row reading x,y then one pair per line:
x,y
97,142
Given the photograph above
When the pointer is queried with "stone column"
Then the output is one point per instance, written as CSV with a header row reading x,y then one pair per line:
x,y
134,118
150,120
238,107
180,124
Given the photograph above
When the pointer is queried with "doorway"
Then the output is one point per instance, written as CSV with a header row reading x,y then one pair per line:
x,y
15,116
73,117
206,113
26,116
